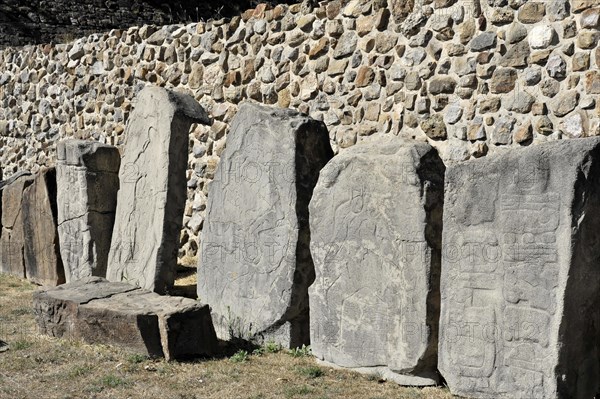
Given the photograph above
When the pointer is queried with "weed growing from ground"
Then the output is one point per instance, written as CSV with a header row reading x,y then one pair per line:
x,y
300,352
272,347
259,351
240,356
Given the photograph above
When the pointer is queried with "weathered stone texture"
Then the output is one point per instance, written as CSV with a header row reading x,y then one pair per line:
x,y
375,221
101,312
391,67
255,265
87,184
11,240
152,193
43,264
519,314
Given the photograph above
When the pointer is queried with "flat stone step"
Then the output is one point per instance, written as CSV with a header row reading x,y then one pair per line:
x,y
101,312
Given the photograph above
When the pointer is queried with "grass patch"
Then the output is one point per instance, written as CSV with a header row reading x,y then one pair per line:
x,y
94,389
294,391
165,369
21,344
112,381
46,367
413,393
80,371
137,358
311,371
21,311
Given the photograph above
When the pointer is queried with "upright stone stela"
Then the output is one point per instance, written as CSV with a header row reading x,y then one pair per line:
x,y
87,184
255,264
43,264
152,193
375,225
520,313
12,241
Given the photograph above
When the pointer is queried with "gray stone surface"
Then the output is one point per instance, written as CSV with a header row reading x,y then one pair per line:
x,y
520,277
11,239
519,102
483,41
14,177
87,184
98,311
556,67
255,264
226,62
152,193
375,221
43,264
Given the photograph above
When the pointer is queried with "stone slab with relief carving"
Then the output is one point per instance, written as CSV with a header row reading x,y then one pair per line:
x,y
520,306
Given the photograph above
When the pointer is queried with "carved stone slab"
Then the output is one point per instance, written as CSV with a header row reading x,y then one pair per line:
x,y
98,311
11,239
87,184
255,265
152,193
43,264
520,307
375,221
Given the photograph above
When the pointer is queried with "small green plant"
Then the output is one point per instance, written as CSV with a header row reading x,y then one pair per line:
x,y
137,358
239,356
112,381
258,351
300,352
269,347
272,347
311,372
21,344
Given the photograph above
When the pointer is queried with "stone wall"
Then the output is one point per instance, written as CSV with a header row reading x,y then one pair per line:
x,y
33,22
471,77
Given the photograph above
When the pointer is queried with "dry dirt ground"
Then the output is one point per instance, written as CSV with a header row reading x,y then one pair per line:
x,y
37,366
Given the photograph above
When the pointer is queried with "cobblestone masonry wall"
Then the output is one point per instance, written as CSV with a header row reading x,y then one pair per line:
x,y
470,77
44,21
